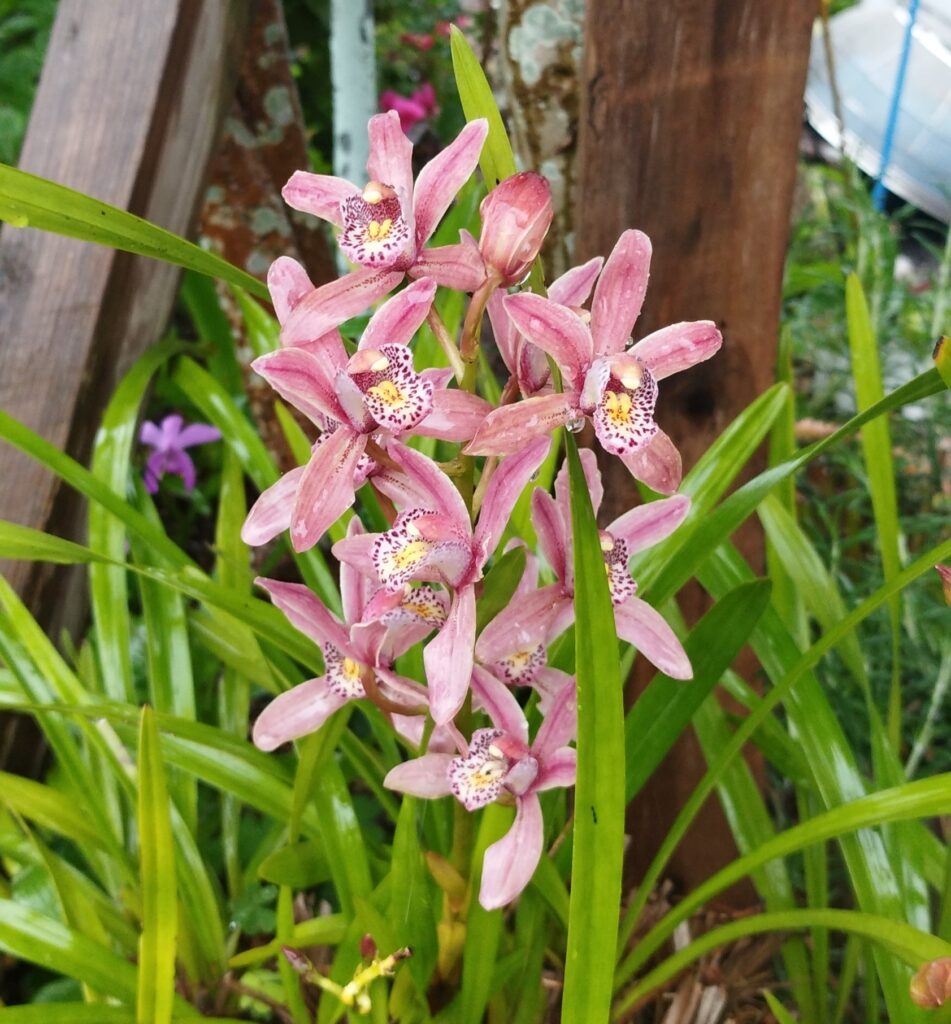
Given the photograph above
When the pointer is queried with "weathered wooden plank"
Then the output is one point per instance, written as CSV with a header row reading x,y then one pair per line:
x,y
691,115
127,109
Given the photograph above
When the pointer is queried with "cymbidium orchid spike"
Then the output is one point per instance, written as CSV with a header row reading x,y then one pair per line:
x,y
436,542
640,528
385,224
356,651
500,763
377,391
614,385
516,216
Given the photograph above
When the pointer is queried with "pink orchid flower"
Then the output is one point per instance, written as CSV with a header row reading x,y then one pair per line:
x,y
614,385
435,541
500,764
386,224
352,649
168,443
642,527
375,392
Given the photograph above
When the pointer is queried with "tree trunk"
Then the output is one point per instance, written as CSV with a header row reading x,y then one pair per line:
x,y
690,121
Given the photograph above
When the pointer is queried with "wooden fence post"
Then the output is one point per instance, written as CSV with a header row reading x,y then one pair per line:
x,y
128,110
691,115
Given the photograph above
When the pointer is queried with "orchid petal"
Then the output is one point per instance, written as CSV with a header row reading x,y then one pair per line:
x,y
288,283
620,292
439,376
646,525
429,479
558,771
426,776
391,154
198,433
178,463
400,317
499,703
366,642
326,488
296,713
555,329
645,628
509,864
271,513
503,330
331,304
658,465
509,428
542,615
444,175
304,380
505,487
548,683
458,267
448,658
574,286
552,533
456,416
355,588
151,434
355,551
677,347
304,610
319,194
560,725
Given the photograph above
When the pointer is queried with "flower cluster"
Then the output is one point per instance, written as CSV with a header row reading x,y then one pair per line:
x,y
419,581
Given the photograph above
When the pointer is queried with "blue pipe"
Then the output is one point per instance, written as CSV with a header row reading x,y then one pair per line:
x,y
878,192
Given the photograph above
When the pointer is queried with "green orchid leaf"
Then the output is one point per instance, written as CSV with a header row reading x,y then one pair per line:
x,y
29,201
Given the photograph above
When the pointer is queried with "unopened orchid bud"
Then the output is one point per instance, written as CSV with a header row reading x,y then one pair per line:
x,y
516,216
944,571
931,986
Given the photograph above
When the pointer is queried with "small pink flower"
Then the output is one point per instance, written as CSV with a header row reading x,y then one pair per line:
x,y
516,216
418,106
168,443
418,40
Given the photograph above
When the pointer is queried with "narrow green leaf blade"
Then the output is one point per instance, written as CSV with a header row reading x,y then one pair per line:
x,y
665,708
880,469
497,161
156,976
29,201
599,791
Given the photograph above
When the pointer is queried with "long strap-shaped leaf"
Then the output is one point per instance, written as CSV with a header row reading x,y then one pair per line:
x,y
925,798
156,978
911,945
29,201
599,793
